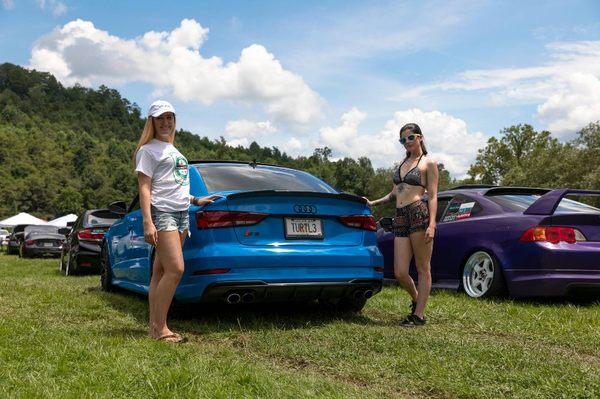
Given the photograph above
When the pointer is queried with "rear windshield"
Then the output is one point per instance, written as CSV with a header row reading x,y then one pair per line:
x,y
520,202
41,229
246,178
102,217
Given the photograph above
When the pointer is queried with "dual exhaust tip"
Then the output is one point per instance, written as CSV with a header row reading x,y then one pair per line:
x,y
234,298
363,294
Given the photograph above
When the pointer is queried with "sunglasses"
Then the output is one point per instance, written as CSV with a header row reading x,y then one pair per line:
x,y
409,138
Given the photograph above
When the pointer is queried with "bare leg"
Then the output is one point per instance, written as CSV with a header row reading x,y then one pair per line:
x,y
157,273
170,256
402,255
422,251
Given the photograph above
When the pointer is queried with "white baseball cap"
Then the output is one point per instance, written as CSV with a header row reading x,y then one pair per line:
x,y
159,107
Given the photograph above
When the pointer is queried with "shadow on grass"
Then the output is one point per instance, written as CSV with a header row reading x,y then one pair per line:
x,y
221,317
580,299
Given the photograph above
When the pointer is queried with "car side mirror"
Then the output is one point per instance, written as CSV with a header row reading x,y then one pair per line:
x,y
70,224
64,231
119,208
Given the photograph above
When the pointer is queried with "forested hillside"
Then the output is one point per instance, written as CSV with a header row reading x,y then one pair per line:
x,y
67,149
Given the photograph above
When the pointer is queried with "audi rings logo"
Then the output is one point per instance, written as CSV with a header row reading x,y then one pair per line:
x,y
305,208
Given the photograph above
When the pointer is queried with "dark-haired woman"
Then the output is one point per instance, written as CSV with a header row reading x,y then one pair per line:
x,y
414,224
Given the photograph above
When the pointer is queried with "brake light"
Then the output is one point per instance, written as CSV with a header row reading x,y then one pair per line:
x,y
29,243
214,219
211,271
86,234
366,222
552,234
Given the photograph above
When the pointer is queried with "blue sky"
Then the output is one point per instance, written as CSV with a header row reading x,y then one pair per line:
x,y
346,74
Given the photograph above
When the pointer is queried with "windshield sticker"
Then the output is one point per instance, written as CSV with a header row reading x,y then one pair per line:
x,y
465,210
451,212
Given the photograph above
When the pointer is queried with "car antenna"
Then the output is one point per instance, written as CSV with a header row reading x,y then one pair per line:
x,y
253,163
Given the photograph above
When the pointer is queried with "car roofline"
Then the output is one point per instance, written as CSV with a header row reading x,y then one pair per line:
x,y
202,161
490,190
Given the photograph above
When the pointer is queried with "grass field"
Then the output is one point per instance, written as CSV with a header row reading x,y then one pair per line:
x,y
64,338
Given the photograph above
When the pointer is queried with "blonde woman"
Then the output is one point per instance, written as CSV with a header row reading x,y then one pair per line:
x,y
414,224
164,191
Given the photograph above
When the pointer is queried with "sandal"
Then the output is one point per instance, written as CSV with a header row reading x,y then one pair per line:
x,y
172,338
412,320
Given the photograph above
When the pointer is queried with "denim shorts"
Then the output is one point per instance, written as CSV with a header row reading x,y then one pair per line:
x,y
170,221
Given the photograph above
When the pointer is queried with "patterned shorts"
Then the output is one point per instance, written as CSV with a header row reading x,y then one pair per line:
x,y
170,221
410,218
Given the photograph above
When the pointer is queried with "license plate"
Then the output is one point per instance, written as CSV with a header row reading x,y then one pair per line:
x,y
303,228
47,244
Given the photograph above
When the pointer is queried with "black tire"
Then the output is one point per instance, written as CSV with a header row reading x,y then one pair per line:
x,y
482,276
61,265
71,267
105,270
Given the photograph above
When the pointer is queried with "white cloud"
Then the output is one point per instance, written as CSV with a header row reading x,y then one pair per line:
x,y
8,4
575,104
562,87
58,7
446,138
243,132
172,62
344,137
293,145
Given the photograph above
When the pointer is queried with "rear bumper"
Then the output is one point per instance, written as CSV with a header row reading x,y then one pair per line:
x,y
87,260
552,282
42,251
262,291
275,267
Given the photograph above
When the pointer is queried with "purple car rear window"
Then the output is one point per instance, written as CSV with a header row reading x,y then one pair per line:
x,y
520,202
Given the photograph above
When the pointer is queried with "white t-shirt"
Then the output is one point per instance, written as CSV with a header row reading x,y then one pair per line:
x,y
168,169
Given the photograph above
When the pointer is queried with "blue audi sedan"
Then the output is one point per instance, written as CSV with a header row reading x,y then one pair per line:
x,y
275,234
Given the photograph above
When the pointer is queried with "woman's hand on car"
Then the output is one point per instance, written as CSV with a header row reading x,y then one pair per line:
x,y
201,201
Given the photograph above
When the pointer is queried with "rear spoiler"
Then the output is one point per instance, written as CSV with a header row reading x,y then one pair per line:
x,y
267,193
547,203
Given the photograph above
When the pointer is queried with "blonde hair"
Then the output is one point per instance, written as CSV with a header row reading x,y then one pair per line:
x,y
148,134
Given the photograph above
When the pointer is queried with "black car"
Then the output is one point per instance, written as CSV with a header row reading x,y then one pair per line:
x,y
81,251
41,241
15,239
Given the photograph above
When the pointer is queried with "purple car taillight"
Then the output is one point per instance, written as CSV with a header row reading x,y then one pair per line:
x,y
553,234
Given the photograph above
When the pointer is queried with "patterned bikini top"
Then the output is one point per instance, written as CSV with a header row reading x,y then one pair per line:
x,y
412,177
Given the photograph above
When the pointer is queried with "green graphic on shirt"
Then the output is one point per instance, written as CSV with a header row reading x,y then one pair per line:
x,y
180,173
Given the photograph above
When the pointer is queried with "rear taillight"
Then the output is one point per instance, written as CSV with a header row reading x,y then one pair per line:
x,y
214,219
29,243
211,271
87,235
366,222
552,234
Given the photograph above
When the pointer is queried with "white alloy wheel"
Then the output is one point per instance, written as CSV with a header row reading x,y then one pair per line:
x,y
480,275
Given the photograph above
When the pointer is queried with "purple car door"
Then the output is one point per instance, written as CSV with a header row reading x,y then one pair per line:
x,y
454,230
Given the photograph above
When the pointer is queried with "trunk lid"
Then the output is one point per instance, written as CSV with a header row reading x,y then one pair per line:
x,y
297,218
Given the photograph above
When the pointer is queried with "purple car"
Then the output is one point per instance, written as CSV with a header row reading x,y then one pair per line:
x,y
521,241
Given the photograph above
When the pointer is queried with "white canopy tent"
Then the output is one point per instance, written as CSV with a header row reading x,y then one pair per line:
x,y
21,218
63,220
